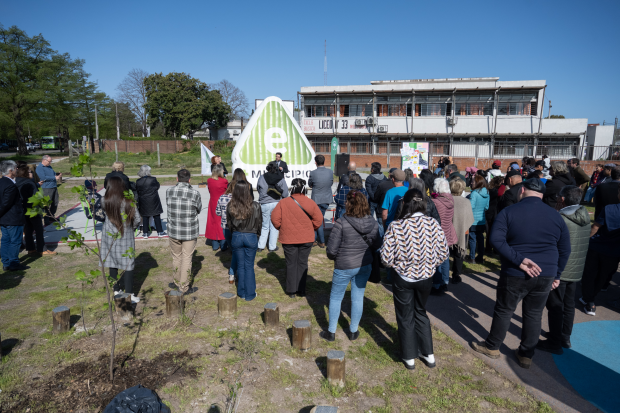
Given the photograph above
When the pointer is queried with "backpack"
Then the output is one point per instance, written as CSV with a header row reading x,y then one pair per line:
x,y
98,212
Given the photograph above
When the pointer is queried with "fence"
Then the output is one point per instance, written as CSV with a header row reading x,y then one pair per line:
x,y
143,146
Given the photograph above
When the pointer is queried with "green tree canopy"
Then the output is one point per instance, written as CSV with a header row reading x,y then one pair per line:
x,y
183,104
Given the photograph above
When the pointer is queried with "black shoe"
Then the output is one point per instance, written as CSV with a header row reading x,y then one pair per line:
x,y
19,267
275,249
566,344
354,336
301,294
436,291
545,345
468,260
172,286
292,295
456,279
260,249
327,336
444,288
479,261
191,291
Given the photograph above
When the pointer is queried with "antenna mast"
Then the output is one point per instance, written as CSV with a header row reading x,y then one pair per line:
x,y
325,66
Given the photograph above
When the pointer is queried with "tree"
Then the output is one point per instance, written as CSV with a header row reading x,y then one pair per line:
x,y
183,104
234,97
133,92
30,73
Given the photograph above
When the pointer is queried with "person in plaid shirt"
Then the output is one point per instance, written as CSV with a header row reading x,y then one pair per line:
x,y
184,204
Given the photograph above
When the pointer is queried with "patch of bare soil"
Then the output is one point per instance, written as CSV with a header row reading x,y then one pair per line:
x,y
86,387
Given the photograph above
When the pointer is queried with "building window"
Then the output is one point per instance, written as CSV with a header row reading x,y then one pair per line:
x,y
344,111
515,109
360,110
316,111
401,109
430,109
474,109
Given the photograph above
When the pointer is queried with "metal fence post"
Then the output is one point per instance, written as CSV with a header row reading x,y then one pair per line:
x,y
388,153
116,150
158,160
476,155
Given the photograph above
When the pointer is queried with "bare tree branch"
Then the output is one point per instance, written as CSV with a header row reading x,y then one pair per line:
x,y
132,91
234,97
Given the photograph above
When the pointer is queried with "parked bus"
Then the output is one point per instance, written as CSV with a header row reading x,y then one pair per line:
x,y
49,142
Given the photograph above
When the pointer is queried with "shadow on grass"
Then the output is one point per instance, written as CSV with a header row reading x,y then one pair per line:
x,y
8,345
272,263
144,264
10,280
74,319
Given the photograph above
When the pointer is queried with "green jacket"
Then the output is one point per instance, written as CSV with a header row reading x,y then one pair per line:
x,y
580,176
577,220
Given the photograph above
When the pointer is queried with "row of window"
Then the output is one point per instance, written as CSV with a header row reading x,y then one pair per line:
x,y
423,109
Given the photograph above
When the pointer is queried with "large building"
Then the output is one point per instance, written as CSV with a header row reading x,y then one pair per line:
x,y
464,117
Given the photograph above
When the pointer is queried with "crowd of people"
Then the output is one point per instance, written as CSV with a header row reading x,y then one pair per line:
x,y
532,216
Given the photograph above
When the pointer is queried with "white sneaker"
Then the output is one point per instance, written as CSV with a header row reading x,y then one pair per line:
x,y
145,236
135,299
428,360
162,234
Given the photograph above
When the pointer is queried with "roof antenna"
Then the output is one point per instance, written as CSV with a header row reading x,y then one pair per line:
x,y
325,66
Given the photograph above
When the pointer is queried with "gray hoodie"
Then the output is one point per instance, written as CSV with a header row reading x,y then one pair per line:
x,y
577,220
347,247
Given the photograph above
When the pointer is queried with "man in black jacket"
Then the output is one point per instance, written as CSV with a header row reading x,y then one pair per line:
x,y
11,218
560,178
280,164
380,192
607,193
511,196
372,183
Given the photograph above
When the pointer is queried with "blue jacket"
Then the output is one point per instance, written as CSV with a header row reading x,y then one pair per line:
x,y
531,229
47,175
479,205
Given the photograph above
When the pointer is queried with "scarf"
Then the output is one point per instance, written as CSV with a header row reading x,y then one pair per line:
x,y
462,220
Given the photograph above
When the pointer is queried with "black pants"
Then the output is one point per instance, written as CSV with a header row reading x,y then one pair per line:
x,y
127,276
414,327
34,224
490,219
457,261
510,291
599,268
561,311
296,266
53,194
145,224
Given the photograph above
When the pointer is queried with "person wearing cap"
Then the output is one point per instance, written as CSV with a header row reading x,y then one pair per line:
x,y
542,167
606,191
560,178
529,270
495,171
511,196
390,202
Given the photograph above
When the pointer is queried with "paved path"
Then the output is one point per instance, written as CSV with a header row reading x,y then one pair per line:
x,y
465,314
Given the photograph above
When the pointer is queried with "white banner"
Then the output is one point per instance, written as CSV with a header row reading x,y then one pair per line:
x,y
205,157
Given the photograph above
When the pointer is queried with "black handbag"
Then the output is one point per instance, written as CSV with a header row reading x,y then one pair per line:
x,y
375,273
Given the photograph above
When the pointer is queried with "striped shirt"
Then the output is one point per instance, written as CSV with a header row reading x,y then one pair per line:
x,y
184,204
220,208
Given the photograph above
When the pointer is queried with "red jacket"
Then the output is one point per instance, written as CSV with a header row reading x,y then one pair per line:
x,y
294,225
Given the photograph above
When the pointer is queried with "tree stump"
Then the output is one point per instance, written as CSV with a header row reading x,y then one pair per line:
x,y
324,409
227,304
174,303
335,367
302,335
61,316
272,315
124,308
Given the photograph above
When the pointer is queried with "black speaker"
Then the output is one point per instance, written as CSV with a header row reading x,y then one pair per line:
x,y
342,163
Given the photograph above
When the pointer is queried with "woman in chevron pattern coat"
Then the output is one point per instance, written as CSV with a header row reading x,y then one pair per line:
x,y
414,245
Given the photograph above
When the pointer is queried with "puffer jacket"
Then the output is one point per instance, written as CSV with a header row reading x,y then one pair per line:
x,y
578,222
252,224
554,186
479,205
372,182
150,203
347,247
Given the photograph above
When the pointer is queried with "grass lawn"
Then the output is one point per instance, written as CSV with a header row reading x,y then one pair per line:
x,y
194,361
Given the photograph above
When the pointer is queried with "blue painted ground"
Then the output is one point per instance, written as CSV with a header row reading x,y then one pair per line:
x,y
592,366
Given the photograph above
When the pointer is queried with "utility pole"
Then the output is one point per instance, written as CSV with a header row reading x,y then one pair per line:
x,y
96,124
549,114
118,128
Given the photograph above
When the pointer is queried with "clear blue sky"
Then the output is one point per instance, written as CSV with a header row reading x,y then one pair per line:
x,y
274,48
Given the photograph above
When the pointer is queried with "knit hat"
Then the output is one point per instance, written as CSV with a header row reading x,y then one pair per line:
x,y
399,175
535,184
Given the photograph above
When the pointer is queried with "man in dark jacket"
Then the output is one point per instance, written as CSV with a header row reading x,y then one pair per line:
x,y
529,269
511,196
603,254
11,218
560,178
578,174
372,183
280,164
452,172
606,193
561,301
380,192
118,169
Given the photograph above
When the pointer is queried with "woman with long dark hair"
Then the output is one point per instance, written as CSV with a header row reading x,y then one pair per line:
x,y
244,219
217,185
414,245
121,218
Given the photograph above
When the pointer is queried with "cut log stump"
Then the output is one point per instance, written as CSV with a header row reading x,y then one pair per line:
x,y
302,335
61,316
324,409
124,308
272,315
174,303
227,304
335,367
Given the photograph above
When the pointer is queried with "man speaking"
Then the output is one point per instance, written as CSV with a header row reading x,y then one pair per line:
x,y
280,164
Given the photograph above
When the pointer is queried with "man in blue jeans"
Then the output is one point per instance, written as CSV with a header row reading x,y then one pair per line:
x,y
321,181
11,218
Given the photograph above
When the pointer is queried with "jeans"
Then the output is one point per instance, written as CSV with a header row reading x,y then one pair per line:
x,y
296,256
561,312
442,274
244,245
598,269
510,291
11,244
146,226
233,263
217,244
34,224
128,277
320,233
268,230
414,327
340,280
476,241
